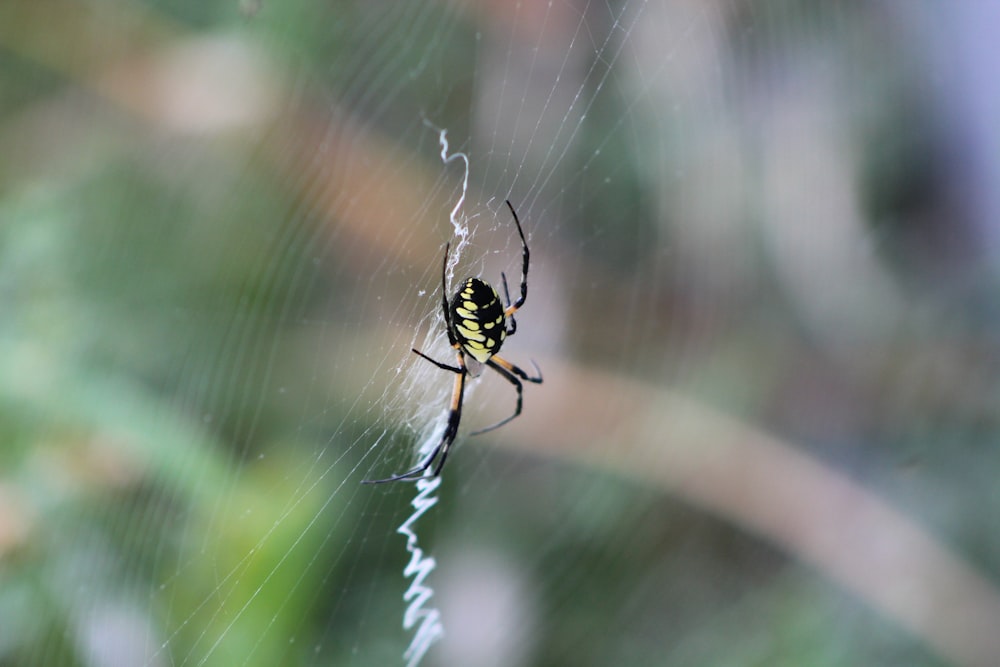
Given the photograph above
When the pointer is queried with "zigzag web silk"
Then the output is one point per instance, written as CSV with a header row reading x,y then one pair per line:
x,y
427,621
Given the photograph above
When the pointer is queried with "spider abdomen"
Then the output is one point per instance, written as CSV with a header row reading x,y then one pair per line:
x,y
478,319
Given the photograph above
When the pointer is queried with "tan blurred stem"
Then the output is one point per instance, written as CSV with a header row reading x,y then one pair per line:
x,y
770,488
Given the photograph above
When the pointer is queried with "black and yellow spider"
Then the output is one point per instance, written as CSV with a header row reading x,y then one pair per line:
x,y
477,325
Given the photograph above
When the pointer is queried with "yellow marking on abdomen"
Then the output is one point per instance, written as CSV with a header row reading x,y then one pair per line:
x,y
469,334
479,354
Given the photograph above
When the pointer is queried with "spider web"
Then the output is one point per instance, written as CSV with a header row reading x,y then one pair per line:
x,y
761,294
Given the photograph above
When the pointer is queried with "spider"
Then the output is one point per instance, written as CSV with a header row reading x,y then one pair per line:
x,y
477,325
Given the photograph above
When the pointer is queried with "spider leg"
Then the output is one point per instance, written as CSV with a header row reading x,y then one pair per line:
x,y
454,418
444,302
411,475
450,431
511,373
512,323
442,366
524,266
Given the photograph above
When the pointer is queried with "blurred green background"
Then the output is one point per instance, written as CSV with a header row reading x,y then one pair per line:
x,y
763,293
